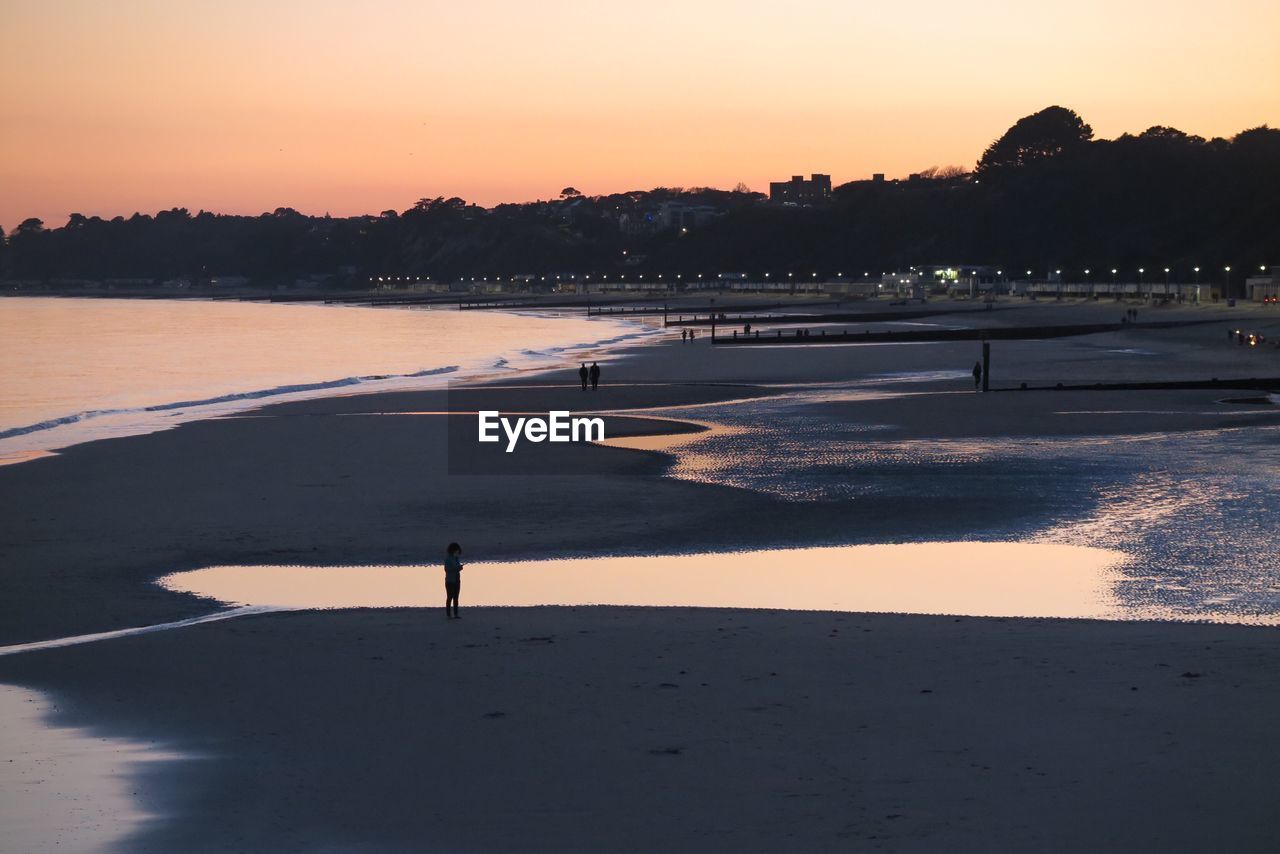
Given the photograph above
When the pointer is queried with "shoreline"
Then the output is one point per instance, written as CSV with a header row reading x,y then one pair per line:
x,y
53,434
902,732
304,451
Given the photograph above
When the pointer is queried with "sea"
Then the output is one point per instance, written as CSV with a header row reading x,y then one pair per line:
x,y
76,370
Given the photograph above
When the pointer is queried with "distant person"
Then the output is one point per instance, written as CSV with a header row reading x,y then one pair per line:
x,y
977,375
582,375
595,376
452,580
747,329
684,335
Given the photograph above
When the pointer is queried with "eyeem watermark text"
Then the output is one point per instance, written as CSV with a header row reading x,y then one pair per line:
x,y
558,426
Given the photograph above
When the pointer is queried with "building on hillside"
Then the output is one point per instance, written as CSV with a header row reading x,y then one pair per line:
x,y
798,191
685,216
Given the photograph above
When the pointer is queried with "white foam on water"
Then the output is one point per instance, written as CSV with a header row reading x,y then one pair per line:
x,y
66,371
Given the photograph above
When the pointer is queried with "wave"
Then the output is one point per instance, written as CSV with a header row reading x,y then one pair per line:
x,y
553,352
143,419
224,398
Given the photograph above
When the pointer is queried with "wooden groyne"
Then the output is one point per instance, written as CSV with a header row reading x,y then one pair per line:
x,y
706,311
424,299
729,319
800,337
476,305
1269,384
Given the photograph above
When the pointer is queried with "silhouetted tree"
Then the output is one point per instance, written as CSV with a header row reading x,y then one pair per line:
x,y
1168,134
1161,197
1050,133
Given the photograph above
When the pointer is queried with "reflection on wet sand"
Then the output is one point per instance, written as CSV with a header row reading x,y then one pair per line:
x,y
967,578
13,457
668,441
65,788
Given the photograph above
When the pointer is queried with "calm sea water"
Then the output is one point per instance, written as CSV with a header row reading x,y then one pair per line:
x,y
81,369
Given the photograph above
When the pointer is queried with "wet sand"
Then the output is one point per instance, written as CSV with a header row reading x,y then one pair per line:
x,y
643,729
558,728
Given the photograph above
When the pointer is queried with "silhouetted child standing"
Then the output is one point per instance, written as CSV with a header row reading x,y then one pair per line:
x,y
582,375
595,376
452,580
977,375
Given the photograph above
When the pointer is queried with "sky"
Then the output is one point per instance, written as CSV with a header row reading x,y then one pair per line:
x,y
107,108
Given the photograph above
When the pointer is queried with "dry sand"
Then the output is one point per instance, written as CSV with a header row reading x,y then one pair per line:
x,y
628,729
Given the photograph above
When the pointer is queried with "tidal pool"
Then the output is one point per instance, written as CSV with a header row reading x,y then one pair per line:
x,y
964,578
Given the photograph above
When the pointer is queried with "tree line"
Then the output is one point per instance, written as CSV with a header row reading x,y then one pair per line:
x,y
1046,194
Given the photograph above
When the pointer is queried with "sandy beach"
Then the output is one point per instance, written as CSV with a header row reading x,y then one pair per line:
x,y
634,729
557,729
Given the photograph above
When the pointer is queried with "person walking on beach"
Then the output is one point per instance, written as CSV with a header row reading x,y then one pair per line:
x,y
452,580
595,375
582,375
977,375
684,335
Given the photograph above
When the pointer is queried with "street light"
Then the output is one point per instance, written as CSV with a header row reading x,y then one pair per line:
x,y
1226,282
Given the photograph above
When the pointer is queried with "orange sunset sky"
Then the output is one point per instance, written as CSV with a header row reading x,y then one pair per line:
x,y
346,107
